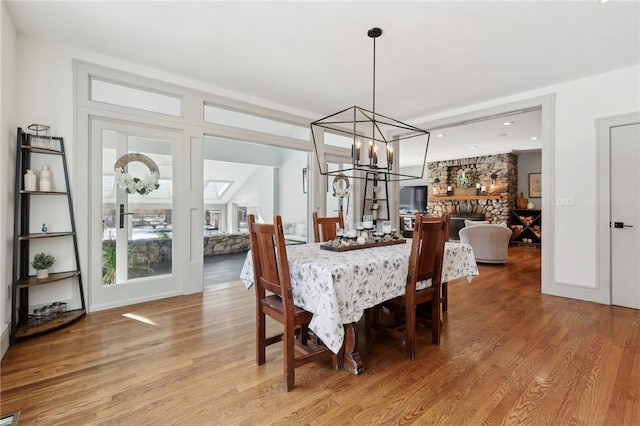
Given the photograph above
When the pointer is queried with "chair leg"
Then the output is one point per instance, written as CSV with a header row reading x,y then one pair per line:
x,y
289,358
397,315
260,338
304,334
445,288
410,313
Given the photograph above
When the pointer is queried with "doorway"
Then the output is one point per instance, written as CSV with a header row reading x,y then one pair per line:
x,y
625,215
260,180
134,244
619,210
546,106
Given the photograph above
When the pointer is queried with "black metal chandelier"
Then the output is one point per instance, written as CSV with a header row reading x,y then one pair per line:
x,y
375,138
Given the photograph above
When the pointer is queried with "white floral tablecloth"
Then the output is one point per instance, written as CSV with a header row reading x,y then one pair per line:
x,y
338,286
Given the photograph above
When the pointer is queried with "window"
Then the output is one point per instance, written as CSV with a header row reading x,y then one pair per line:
x,y
107,185
242,216
251,122
334,139
164,191
118,94
213,190
214,219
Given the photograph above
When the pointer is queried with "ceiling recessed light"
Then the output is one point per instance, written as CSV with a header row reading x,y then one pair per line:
x,y
500,135
440,135
603,1
508,123
535,138
473,146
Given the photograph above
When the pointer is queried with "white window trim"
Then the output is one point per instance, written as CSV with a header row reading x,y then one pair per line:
x,y
191,124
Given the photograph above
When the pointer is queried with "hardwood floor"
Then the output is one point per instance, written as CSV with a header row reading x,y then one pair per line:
x,y
223,268
509,355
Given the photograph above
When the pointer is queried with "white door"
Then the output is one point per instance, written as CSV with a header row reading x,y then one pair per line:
x,y
625,216
134,237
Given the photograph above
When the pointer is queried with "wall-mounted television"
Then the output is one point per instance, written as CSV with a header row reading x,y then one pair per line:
x,y
413,199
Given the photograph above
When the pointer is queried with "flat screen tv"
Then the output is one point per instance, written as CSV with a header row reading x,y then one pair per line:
x,y
413,199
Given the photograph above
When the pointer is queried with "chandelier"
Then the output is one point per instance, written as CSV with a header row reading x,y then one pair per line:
x,y
376,140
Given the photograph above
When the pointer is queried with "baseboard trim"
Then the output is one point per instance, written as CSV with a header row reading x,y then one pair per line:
x,y
4,341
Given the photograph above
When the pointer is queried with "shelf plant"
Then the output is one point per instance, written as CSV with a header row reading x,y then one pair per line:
x,y
41,263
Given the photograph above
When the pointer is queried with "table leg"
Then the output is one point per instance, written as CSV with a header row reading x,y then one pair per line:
x,y
445,292
352,361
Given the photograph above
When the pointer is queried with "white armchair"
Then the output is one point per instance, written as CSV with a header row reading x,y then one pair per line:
x,y
490,243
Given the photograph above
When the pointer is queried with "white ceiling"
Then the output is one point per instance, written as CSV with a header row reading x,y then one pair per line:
x,y
314,58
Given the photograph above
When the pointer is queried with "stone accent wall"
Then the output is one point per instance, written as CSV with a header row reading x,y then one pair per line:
x,y
503,166
158,250
225,243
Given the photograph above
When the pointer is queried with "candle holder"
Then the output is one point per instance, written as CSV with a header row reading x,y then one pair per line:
x,y
41,136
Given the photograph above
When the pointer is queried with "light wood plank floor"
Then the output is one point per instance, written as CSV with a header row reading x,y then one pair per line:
x,y
509,355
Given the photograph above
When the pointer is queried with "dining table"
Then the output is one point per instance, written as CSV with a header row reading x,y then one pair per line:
x,y
337,286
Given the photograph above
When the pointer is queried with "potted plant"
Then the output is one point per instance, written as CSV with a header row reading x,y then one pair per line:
x,y
42,262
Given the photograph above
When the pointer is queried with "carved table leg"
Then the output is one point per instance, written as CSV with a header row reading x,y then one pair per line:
x,y
352,361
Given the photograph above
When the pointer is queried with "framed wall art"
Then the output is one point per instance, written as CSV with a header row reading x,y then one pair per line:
x,y
535,185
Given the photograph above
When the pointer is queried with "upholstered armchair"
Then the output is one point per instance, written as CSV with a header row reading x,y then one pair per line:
x,y
490,243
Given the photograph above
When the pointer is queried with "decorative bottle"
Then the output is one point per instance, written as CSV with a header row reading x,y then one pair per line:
x,y
45,178
44,229
30,181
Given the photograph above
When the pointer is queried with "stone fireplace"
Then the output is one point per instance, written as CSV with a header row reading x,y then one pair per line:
x,y
496,174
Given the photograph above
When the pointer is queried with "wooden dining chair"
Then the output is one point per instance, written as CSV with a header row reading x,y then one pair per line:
x,y
324,228
271,274
425,262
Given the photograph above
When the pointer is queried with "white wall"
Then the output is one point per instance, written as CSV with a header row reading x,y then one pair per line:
x,y
257,191
415,171
578,104
529,163
292,204
7,165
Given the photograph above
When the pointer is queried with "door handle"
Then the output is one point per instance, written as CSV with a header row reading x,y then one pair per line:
x,y
122,215
621,225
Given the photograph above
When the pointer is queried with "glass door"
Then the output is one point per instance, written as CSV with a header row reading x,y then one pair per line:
x,y
139,222
340,200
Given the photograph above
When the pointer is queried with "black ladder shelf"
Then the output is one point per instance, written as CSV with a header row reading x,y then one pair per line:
x,y
373,179
22,282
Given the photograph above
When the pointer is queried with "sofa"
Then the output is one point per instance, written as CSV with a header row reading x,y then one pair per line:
x,y
296,232
490,242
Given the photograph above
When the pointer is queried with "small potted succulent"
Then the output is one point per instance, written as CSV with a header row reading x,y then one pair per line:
x,y
42,262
